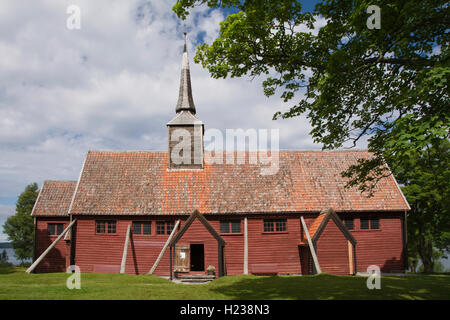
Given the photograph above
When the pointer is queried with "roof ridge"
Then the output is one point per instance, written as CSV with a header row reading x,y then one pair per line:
x,y
209,151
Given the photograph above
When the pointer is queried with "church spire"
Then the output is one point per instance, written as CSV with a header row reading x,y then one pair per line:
x,y
185,100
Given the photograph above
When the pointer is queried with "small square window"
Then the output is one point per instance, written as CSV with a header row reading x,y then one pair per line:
x,y
236,226
364,223
230,226
146,228
55,228
51,229
275,225
160,227
374,223
141,227
111,227
169,227
103,226
100,226
280,225
268,226
349,223
224,227
137,228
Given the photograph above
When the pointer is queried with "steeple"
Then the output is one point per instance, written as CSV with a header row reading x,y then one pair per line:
x,y
185,129
185,100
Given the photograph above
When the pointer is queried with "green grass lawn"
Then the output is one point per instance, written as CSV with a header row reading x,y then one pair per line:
x,y
16,284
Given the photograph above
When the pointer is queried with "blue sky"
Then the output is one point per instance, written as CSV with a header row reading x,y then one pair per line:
x,y
112,85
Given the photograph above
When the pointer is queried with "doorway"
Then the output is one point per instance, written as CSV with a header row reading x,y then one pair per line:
x,y
197,257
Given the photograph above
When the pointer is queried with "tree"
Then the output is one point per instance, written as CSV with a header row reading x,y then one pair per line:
x,y
426,176
20,227
388,85
438,267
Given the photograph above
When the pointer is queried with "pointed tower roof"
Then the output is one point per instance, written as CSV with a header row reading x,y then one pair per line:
x,y
185,100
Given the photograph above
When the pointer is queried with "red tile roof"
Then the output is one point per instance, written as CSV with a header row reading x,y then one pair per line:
x,y
54,198
140,183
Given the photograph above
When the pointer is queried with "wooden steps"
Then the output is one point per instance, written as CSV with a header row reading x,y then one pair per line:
x,y
197,278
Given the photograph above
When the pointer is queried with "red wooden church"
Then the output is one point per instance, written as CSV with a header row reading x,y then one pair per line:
x,y
144,211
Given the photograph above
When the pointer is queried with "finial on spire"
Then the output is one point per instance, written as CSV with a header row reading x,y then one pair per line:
x,y
185,33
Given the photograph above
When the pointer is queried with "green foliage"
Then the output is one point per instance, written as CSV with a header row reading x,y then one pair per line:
x,y
426,175
388,84
20,227
438,267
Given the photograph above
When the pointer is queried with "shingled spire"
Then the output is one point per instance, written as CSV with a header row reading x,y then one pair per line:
x,y
185,100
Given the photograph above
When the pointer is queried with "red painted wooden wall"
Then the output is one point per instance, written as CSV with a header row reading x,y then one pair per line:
x,y
103,252
383,247
332,250
58,258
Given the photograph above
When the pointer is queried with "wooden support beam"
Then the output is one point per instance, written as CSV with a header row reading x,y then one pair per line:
x,y
220,259
350,258
161,254
125,250
245,246
170,263
311,247
50,247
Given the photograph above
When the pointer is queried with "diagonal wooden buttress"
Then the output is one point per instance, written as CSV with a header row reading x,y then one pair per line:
x,y
125,250
311,247
161,254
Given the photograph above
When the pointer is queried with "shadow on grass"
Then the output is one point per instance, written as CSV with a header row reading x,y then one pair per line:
x,y
325,286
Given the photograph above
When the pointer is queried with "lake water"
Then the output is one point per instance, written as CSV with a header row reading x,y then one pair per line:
x,y
11,257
